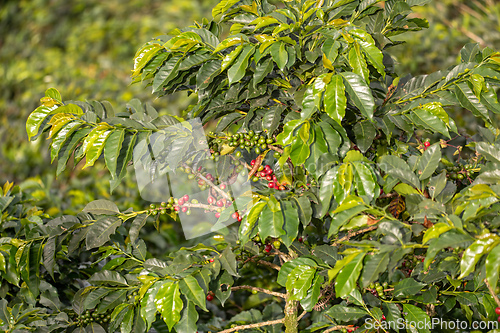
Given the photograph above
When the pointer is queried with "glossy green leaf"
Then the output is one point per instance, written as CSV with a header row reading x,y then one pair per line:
x,y
101,230
373,267
469,101
452,238
36,119
166,73
475,251
108,278
399,169
326,189
187,324
62,137
271,223
193,292
101,207
169,303
95,150
68,148
300,151
304,209
287,267
148,307
358,63
228,261
237,71
348,276
279,54
493,266
248,224
365,132
407,287
335,99
299,281
436,230
112,149
291,224
262,69
373,55
313,294
422,117
415,315
345,313
429,161
360,93
490,151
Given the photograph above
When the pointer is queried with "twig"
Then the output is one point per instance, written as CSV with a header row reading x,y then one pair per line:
x,y
352,234
209,183
336,328
244,327
262,290
302,315
492,292
388,195
270,264
279,150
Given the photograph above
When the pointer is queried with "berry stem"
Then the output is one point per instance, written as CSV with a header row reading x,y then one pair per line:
x,y
492,292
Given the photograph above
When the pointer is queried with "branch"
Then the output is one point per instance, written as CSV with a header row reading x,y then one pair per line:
x,y
352,234
270,264
244,327
262,290
492,292
209,183
279,150
337,328
302,315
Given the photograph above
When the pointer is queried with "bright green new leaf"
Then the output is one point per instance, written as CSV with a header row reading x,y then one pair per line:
x,y
169,303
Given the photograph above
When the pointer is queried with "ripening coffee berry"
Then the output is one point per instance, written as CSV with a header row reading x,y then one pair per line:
x,y
427,144
217,215
268,248
209,297
497,310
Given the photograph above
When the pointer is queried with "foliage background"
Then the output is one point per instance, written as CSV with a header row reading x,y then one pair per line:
x,y
85,49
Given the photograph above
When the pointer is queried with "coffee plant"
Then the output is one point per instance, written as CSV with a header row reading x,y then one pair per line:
x,y
342,195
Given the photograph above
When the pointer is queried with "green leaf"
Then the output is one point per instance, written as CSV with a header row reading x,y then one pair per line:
x,y
291,225
299,281
54,94
436,230
100,231
136,226
166,73
193,292
416,315
304,209
493,266
344,313
127,321
452,238
365,132
326,189
374,56
348,276
49,254
335,99
169,303
112,149
475,251
407,287
287,267
428,120
108,278
248,224
374,265
287,135
101,207
271,223
187,324
61,137
490,151
392,313
468,100
300,150
228,261
399,169
68,147
357,62
238,69
95,150
360,93
279,54
230,57
313,294
36,118
148,307
262,69
429,161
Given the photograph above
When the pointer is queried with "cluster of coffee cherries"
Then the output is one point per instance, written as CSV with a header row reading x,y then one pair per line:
x,y
349,330
266,173
497,311
273,243
377,289
462,171
250,140
178,205
89,317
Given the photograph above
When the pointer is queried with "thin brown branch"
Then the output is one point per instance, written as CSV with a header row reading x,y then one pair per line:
x,y
279,150
244,327
352,234
262,290
302,315
209,183
337,328
492,292
269,264
388,195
